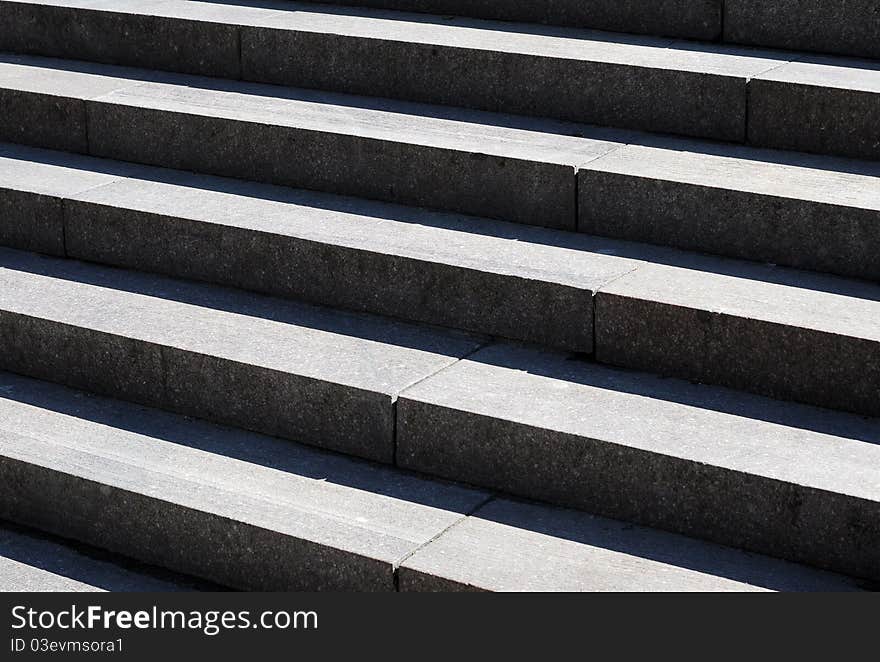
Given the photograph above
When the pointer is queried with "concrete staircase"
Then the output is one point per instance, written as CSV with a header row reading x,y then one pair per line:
x,y
273,272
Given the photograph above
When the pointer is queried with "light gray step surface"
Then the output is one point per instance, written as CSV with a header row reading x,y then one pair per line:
x,y
694,19
736,201
643,83
311,374
260,513
484,276
783,333
517,546
849,27
836,98
236,508
32,562
602,78
773,477
806,211
465,161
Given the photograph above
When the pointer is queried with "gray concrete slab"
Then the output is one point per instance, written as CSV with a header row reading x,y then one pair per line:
x,y
240,509
738,202
695,20
773,477
785,334
33,184
132,32
842,28
462,272
600,78
823,105
465,161
32,562
577,75
511,546
287,369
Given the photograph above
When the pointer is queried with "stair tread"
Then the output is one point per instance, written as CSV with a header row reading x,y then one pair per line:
x,y
783,296
348,348
242,476
820,178
31,562
512,546
830,451
395,121
567,43
350,505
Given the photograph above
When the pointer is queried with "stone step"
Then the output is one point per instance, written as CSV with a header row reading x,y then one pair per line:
x,y
849,28
517,169
461,272
758,474
801,25
255,512
735,201
311,374
33,562
787,334
644,83
516,546
690,19
236,508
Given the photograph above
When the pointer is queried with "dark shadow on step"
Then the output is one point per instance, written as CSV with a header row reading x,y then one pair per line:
x,y
89,565
304,462
463,224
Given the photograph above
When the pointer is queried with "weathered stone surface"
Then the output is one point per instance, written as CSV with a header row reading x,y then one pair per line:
x,y
467,273
134,32
324,142
240,509
695,20
741,470
510,546
278,367
611,80
738,202
465,161
33,184
842,27
34,563
785,334
828,106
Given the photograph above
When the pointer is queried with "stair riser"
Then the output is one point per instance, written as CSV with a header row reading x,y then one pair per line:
x,y
805,25
700,19
325,414
471,183
172,536
155,42
31,222
333,275
706,105
780,361
693,104
731,223
326,274
828,530
617,95
516,190
814,119
43,120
